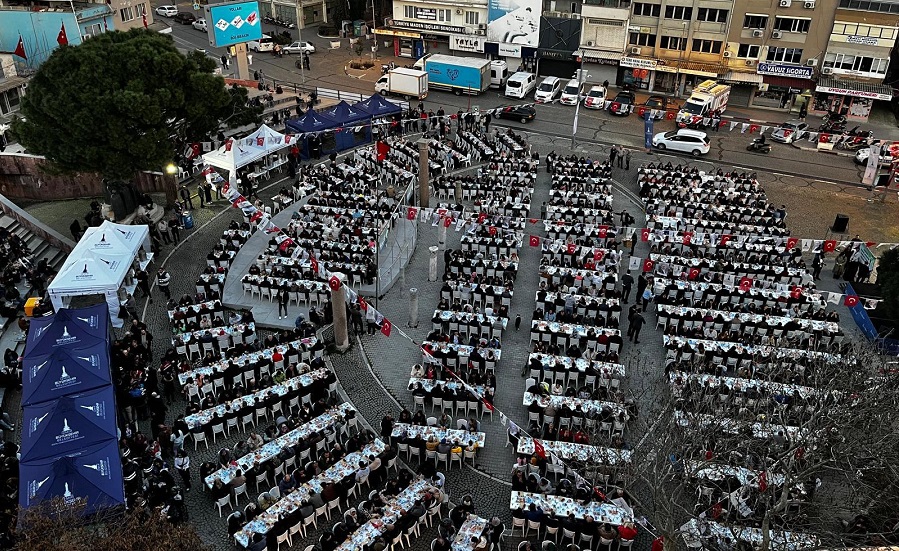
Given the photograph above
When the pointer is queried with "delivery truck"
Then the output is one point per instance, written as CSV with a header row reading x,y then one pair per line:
x,y
706,98
409,83
460,75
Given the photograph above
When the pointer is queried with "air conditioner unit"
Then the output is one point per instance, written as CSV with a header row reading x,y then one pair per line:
x,y
590,43
482,26
459,11
750,62
827,71
758,33
636,51
777,34
727,54
786,3
810,5
811,62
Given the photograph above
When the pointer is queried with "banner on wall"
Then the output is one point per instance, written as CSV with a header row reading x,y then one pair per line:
x,y
514,22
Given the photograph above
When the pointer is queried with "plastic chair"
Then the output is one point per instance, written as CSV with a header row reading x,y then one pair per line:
x,y
226,500
200,437
242,489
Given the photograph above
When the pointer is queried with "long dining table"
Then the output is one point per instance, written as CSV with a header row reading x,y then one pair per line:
x,y
219,367
423,432
469,533
587,406
577,452
563,506
375,527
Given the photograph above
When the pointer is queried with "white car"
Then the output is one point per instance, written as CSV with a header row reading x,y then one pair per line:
x,y
200,25
595,98
166,11
571,94
548,90
299,47
861,156
688,141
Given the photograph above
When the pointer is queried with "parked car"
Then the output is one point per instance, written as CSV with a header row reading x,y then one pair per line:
x,y
660,104
571,94
622,104
522,113
789,131
861,156
167,11
596,98
685,140
299,48
184,17
549,90
200,25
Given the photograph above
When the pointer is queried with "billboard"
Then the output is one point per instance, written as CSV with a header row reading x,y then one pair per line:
x,y
232,23
514,22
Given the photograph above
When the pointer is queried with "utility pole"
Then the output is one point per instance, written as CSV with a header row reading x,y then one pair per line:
x,y
374,27
300,25
577,106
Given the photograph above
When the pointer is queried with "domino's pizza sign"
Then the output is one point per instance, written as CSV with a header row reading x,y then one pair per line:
x,y
233,22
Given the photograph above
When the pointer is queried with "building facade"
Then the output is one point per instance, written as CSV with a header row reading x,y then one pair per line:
x,y
12,88
417,28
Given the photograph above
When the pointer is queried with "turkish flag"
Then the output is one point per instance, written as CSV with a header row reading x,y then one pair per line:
x,y
260,141
286,244
598,255
830,246
386,326
745,284
533,220
869,244
754,128
487,405
412,213
447,221
194,150
694,273
539,450
61,38
334,283
763,481
534,241
616,106
603,231
146,24
824,138
796,292
791,242
725,239
492,231
20,48
787,133
383,148
228,144
641,112
572,248
481,217
648,265
314,264
287,138
687,237
644,234
851,301
363,304
256,216
669,115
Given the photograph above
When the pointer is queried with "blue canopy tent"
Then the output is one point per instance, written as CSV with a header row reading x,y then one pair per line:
x,y
64,371
376,107
64,426
345,116
76,328
92,474
311,122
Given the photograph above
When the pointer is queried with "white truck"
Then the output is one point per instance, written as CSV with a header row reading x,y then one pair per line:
x,y
409,83
708,97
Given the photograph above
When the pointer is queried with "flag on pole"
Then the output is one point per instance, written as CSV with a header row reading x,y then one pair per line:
x,y
61,38
20,48
145,20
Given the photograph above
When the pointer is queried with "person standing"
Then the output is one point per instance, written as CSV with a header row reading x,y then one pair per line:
x,y
143,283
817,266
487,119
163,228
182,465
75,228
627,281
517,322
185,197
283,299
633,330
200,194
613,153
163,280
620,156
627,159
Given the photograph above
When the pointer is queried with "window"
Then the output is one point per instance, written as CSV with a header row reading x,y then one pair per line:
x,y
639,39
854,29
409,12
141,10
748,51
792,24
647,10
712,15
93,30
861,64
883,7
706,46
471,17
755,21
126,14
673,43
787,55
445,16
683,13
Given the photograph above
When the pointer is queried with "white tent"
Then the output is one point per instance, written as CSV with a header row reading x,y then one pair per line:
x,y
271,140
243,151
99,264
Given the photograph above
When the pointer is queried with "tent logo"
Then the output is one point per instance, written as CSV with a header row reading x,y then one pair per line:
x,y
92,321
36,422
36,368
35,485
67,495
93,359
66,338
65,380
97,408
67,435
84,275
101,466
103,243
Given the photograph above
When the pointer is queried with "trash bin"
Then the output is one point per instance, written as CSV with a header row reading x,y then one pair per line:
x,y
187,220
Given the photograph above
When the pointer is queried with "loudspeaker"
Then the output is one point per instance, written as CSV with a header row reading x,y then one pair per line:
x,y
840,223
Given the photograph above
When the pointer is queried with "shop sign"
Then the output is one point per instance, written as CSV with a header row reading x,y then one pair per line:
x,y
863,40
467,43
637,29
853,93
509,50
778,70
432,27
638,63
587,58
429,14
554,54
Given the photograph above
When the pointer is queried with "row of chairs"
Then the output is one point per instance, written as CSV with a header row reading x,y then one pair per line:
x,y
467,407
574,377
222,344
448,459
559,535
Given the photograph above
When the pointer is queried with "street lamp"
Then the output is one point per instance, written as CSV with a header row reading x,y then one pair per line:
x,y
300,38
171,169
577,106
680,59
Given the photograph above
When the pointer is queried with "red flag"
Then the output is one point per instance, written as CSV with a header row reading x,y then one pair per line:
x,y
412,213
314,264
61,38
386,327
481,217
824,138
334,283
382,149
787,133
641,112
687,237
287,138
603,231
20,49
694,273
572,248
487,405
447,221
669,115
194,150
796,292
615,106
791,242
763,481
272,228
533,220
492,230
363,304
870,244
745,284
256,216
830,246
716,510
228,144
648,265
725,239
539,450
599,254
851,301
145,20
644,234
286,244
260,141
534,241
754,128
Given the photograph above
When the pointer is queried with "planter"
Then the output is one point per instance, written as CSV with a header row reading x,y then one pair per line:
x,y
335,44
361,64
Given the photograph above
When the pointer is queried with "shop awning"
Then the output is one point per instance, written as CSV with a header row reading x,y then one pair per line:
x,y
393,32
691,68
593,55
748,78
854,88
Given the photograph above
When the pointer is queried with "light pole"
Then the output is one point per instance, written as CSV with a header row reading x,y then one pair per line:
x,y
303,54
680,60
577,106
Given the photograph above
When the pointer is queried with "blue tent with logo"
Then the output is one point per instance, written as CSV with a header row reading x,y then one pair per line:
x,y
377,107
312,122
68,424
64,371
346,117
92,474
76,328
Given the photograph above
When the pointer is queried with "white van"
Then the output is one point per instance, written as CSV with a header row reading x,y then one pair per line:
x,y
264,44
520,84
499,72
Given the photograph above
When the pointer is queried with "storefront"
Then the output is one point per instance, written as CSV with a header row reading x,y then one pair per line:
x,y
518,57
416,38
600,66
743,87
680,77
556,63
636,72
850,98
783,86
403,43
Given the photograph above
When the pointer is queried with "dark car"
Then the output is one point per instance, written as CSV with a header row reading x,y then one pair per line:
x,y
523,113
183,17
622,104
660,104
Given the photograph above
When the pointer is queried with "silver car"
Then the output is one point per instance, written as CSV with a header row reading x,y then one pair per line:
x,y
789,131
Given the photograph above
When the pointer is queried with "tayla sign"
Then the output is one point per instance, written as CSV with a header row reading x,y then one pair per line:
x,y
464,43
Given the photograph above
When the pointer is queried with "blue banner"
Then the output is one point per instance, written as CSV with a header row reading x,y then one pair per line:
x,y
235,22
648,124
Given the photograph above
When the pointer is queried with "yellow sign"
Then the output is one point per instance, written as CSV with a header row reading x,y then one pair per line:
x,y
391,32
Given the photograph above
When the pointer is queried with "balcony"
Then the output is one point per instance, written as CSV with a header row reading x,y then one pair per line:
x,y
622,4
